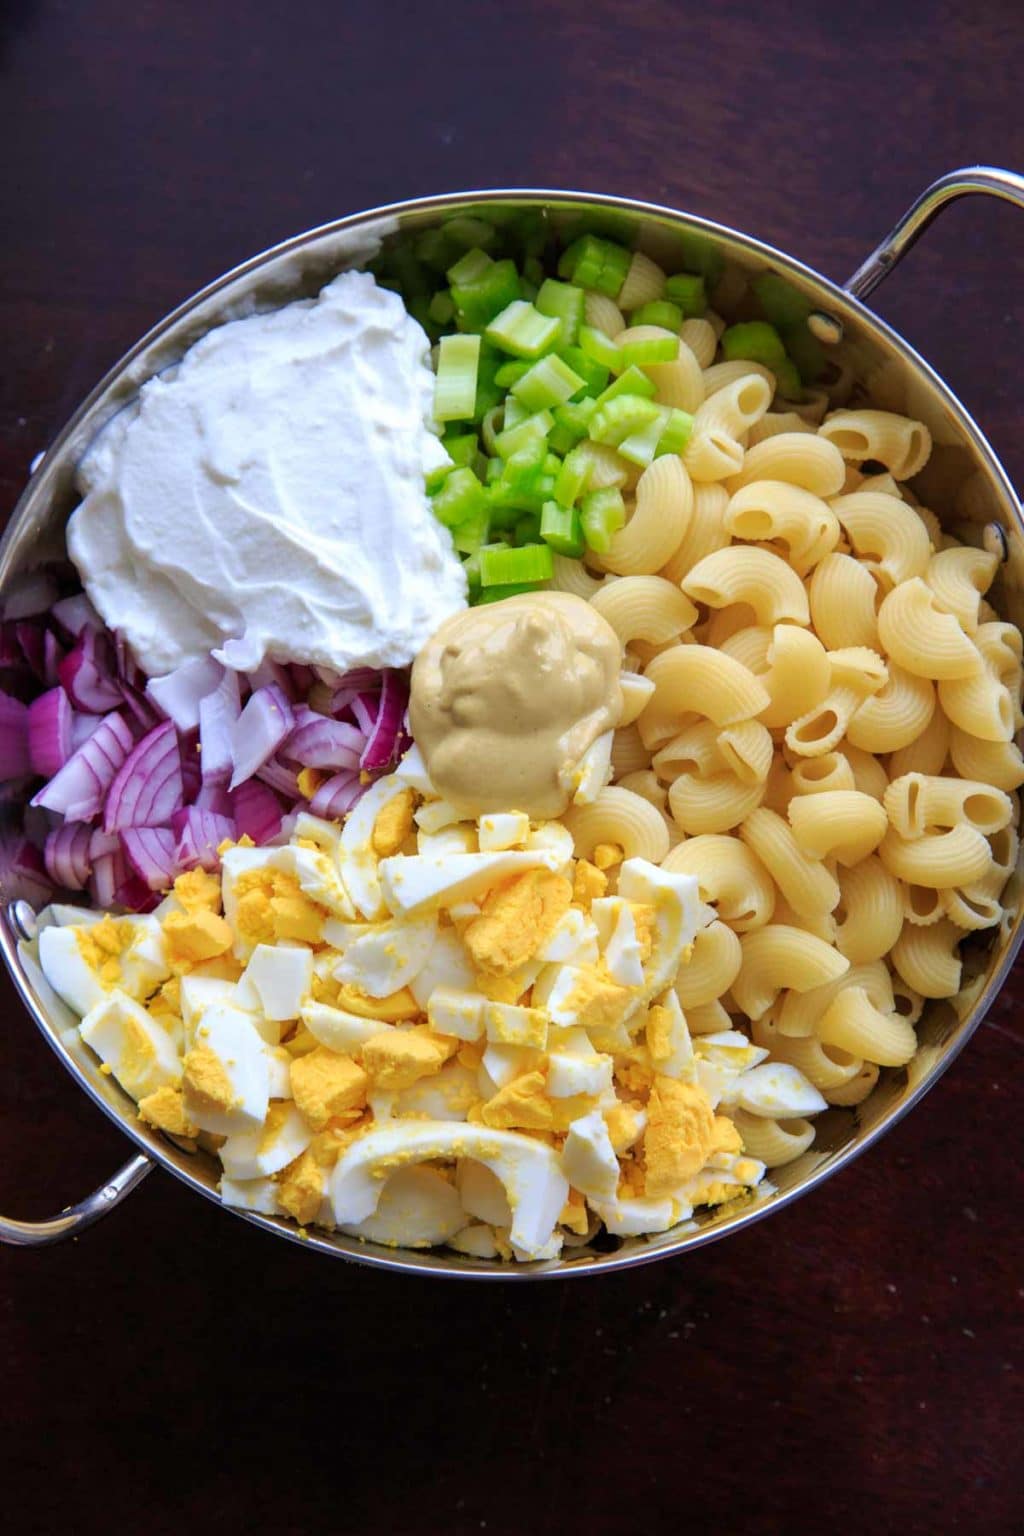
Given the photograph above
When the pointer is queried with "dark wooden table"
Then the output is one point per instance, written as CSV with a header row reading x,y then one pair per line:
x,y
854,1359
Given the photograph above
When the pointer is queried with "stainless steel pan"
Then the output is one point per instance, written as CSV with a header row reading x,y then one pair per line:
x,y
964,483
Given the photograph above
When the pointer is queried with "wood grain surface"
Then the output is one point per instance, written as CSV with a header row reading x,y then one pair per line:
x,y
854,1360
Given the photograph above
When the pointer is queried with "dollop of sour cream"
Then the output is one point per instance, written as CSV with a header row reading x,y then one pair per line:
x,y
265,498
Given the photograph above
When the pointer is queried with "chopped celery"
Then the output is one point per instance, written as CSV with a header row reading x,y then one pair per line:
x,y
437,477
564,302
572,477
508,589
602,463
782,303
489,429
533,272
442,310
596,345
471,566
754,340
477,303
515,411
687,290
699,253
508,373
527,290
641,446
433,249
805,350
602,514
571,423
501,565
455,385
469,269
675,433
560,527
464,230
652,349
592,262
471,534
594,375
523,330
631,381
621,417
461,447
527,529
488,395
534,428
787,379
460,498
494,469
548,382
659,312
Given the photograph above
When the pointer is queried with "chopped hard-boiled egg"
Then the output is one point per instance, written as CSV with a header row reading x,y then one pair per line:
x,y
131,1044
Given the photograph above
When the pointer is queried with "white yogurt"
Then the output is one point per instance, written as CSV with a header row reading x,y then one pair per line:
x,y
266,497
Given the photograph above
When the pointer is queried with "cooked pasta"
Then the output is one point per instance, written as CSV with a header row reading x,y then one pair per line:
x,y
774,1142
937,860
805,882
896,715
885,532
998,763
621,819
812,775
842,824
772,512
602,313
775,422
730,876
844,599
679,383
746,574
853,1023
870,911
705,534
644,282
696,679
636,694
919,803
629,755
645,608
922,638
778,956
712,968
902,445
799,458
714,804
664,505
927,753
960,577
928,959
700,337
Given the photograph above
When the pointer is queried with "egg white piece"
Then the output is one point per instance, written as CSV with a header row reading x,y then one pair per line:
x,y
413,771
435,815
359,862
498,830
420,884
482,1193
281,977
69,917
451,1011
588,1158
240,1049
731,1048
476,1241
250,1154
444,1095
138,1051
586,779
503,1063
389,956
68,971
534,1184
622,952
418,1208
638,1216
575,1067
197,993
680,1062
250,1195
574,941
457,839
776,1089
279,1077
338,1029
447,965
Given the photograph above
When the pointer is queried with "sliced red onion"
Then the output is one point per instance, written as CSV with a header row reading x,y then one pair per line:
x,y
32,639
191,773
218,714
303,679
257,811
101,843
15,752
341,699
50,732
280,777
109,871
148,785
22,870
273,674
80,787
213,797
363,679
199,835
380,747
318,742
84,726
73,614
88,673
151,853
260,729
12,657
365,708
135,894
32,593
336,795
67,857
53,655
177,695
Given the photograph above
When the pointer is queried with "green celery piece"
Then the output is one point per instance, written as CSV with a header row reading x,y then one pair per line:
x,y
477,303
600,348
442,310
805,350
527,530
782,303
437,477
659,312
564,302
699,253
591,262
433,249
522,330
676,432
466,231
602,514
551,464
471,566
488,395
469,268
641,446
533,271
687,290
501,565
510,589
653,349
490,426
787,379
419,307
620,418
632,381
572,478
561,528
534,427
589,453
515,412
505,509
460,498
594,375
571,423
461,447
494,469
547,383
455,385
755,341
508,373
471,534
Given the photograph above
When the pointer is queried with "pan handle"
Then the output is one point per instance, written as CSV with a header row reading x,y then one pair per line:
x,y
37,1234
1008,185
